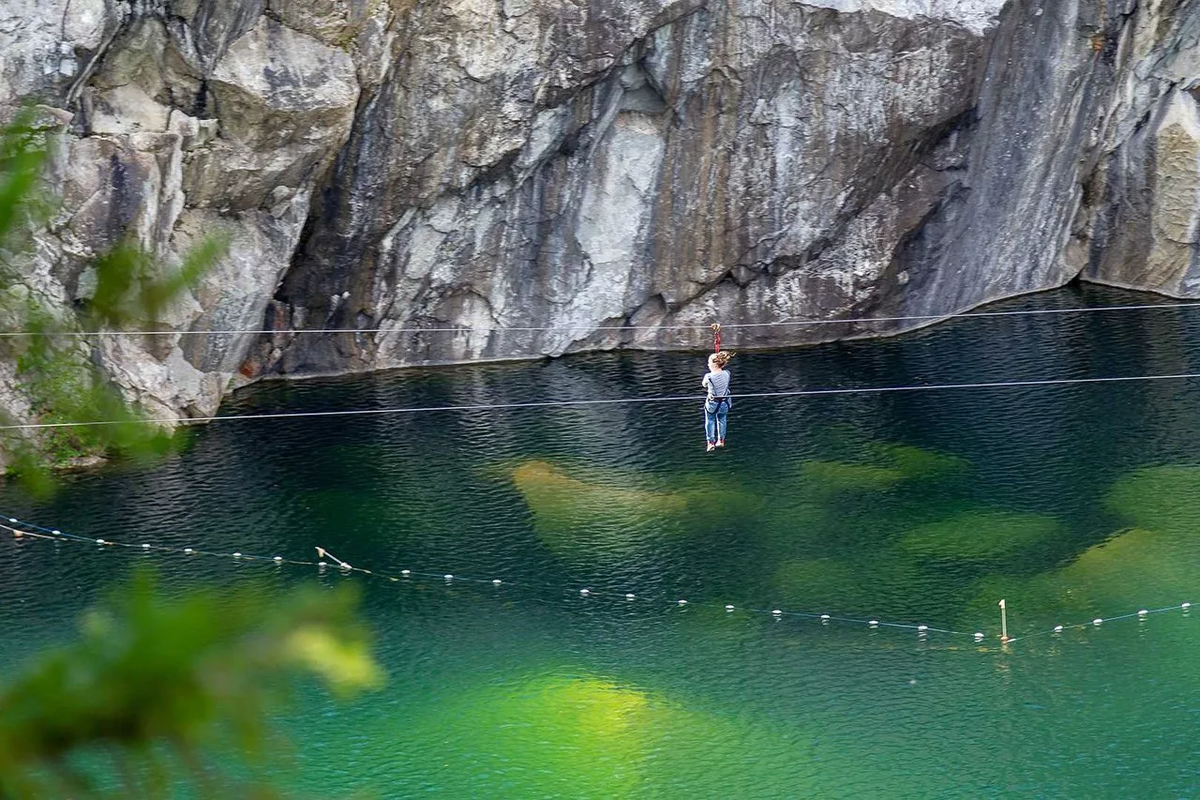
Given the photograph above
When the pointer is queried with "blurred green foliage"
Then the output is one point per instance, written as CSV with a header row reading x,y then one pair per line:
x,y
132,288
159,694
23,150
157,688
56,366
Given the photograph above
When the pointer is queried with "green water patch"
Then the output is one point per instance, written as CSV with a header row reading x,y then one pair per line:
x,y
882,565
872,586
579,736
372,509
554,492
864,464
824,507
984,536
593,517
715,505
791,525
817,509
828,508
1151,564
916,463
1137,568
599,515
1164,497
829,477
819,584
888,585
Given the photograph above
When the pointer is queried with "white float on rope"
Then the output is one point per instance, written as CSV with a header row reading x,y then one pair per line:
x,y
921,629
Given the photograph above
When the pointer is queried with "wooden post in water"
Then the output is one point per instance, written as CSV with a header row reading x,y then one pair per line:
x,y
1003,622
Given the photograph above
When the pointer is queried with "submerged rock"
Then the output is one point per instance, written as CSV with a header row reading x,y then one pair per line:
x,y
1165,498
984,536
1136,568
917,463
599,519
567,732
596,516
823,477
1150,565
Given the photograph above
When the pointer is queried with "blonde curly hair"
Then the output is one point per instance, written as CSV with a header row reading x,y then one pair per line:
x,y
720,358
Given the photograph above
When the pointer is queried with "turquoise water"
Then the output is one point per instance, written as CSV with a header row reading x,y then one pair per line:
x,y
1070,502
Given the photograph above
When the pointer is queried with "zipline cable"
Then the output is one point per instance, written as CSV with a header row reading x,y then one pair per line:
x,y
613,401
597,328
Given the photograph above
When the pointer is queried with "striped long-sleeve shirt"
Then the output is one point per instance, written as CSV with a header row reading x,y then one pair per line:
x,y
717,384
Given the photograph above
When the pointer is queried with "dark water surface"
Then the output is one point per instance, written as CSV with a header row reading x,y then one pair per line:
x,y
927,507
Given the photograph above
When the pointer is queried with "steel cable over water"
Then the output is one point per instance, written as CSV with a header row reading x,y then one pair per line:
x,y
21,529
1020,312
612,401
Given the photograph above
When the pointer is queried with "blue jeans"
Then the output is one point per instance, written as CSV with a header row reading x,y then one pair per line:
x,y
715,415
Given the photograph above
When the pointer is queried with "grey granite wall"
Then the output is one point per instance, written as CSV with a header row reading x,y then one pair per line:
x,y
583,164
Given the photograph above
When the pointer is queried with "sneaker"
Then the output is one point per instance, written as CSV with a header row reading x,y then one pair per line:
x,y
720,442
711,447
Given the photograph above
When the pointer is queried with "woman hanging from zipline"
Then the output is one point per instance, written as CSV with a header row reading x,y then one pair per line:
x,y
719,401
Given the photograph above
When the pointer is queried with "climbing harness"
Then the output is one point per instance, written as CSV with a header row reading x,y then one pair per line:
x,y
723,400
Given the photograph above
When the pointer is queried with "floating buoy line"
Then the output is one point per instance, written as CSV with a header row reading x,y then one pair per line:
x,y
21,529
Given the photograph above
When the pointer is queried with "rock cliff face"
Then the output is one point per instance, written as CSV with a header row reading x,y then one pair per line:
x,y
603,168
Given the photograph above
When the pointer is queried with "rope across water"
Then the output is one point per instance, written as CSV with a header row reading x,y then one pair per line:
x,y
21,529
